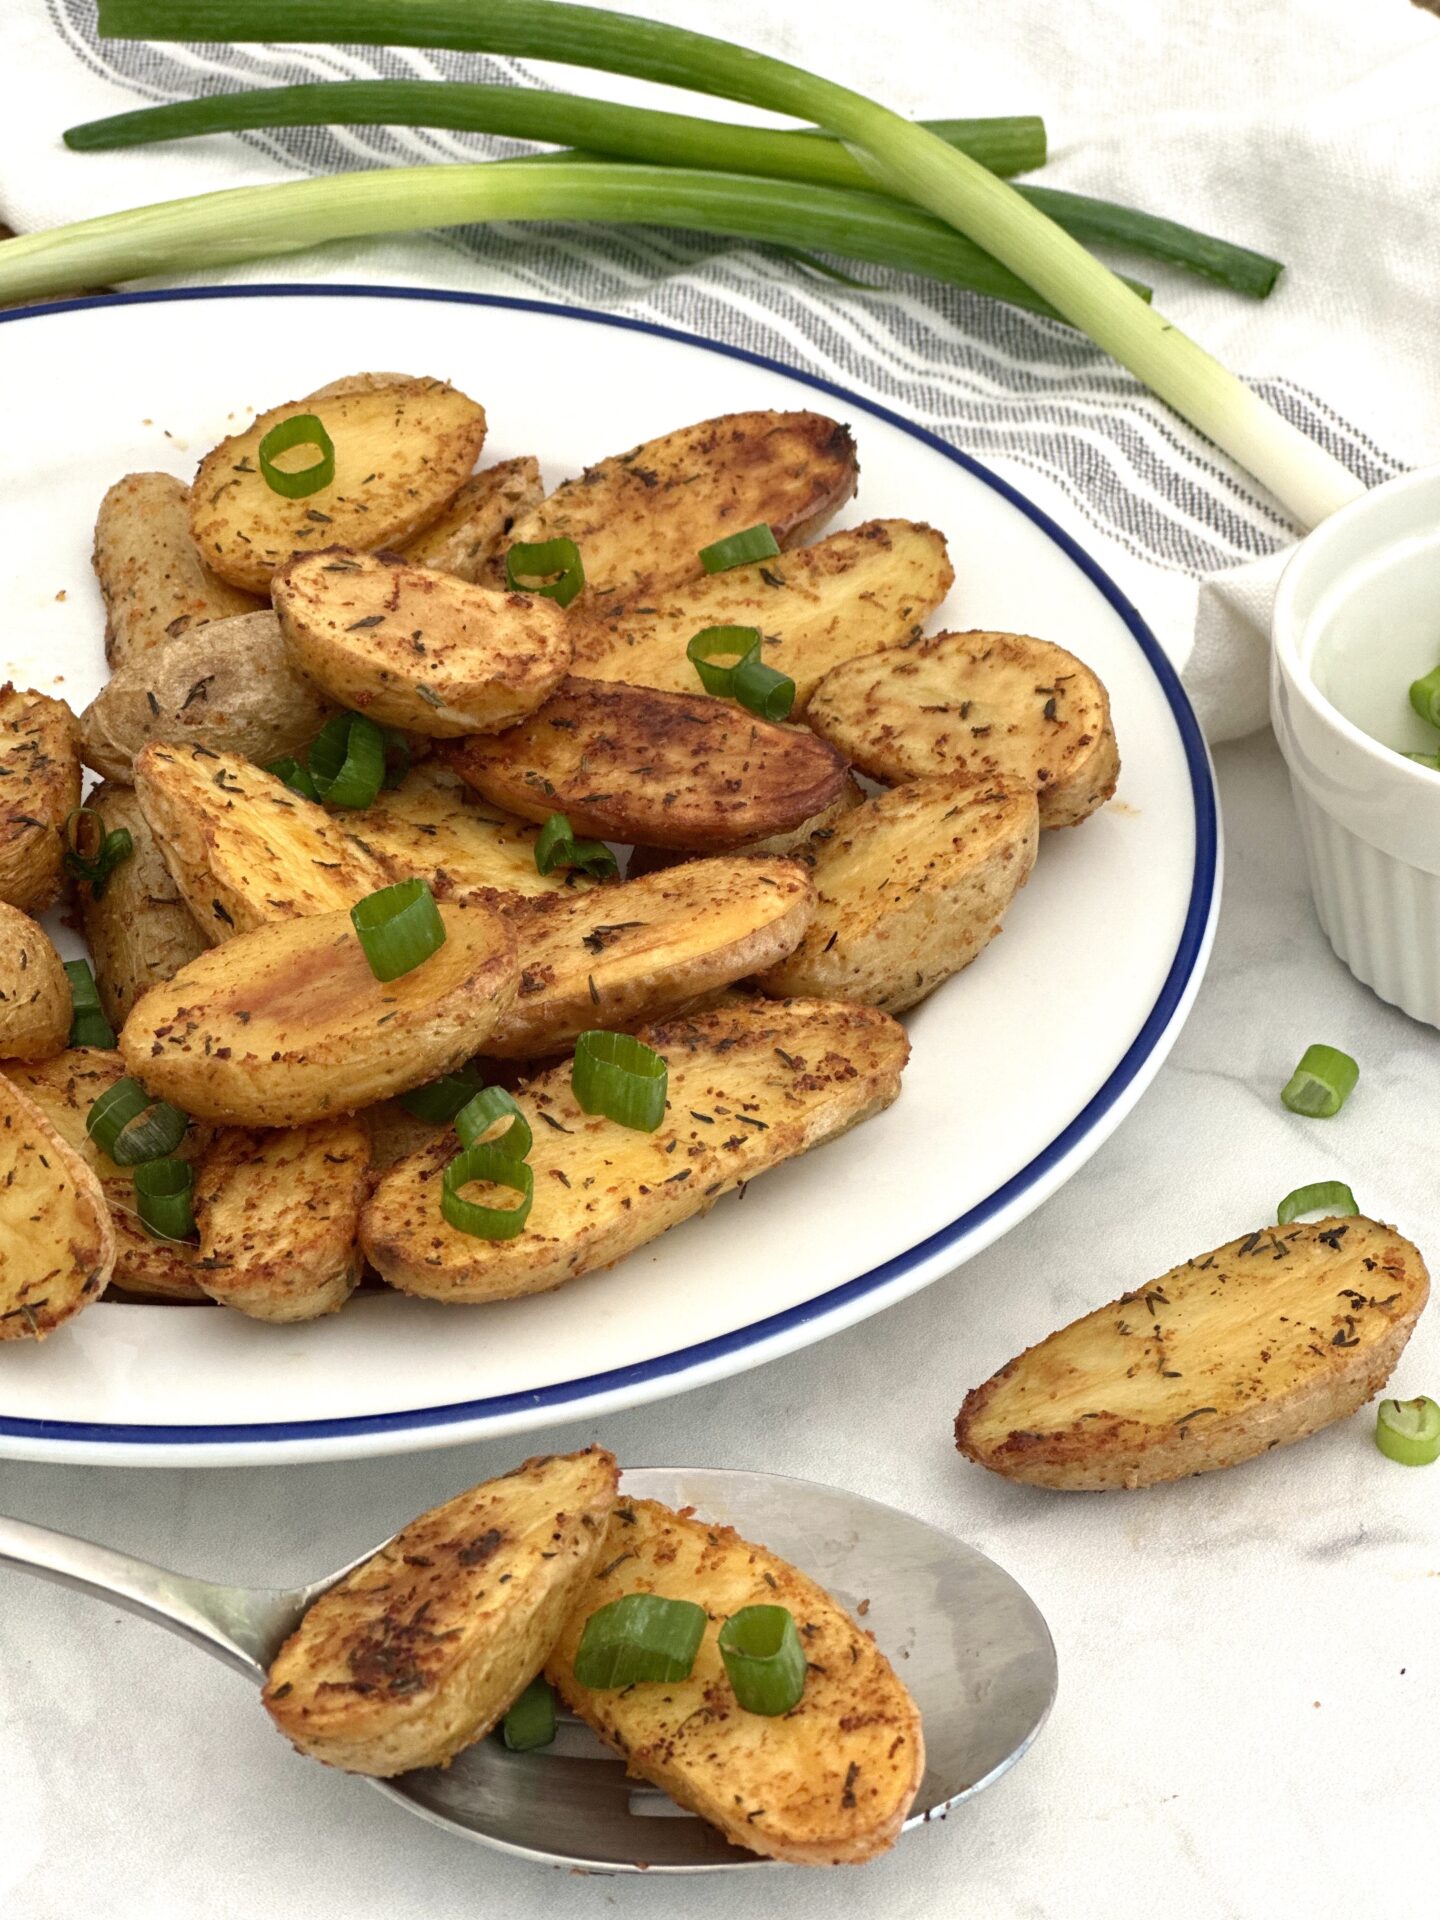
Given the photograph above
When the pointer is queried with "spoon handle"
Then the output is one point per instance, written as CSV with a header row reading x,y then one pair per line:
x,y
236,1625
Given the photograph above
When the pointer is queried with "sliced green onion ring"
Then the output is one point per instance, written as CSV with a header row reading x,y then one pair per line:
x,y
1425,696
763,690
530,1723
440,1100
88,1025
296,483
477,1116
163,1191
1321,1196
764,1659
619,1076
640,1636
739,549
1408,1431
487,1163
714,643
290,773
556,846
107,850
399,928
1322,1083
347,761
131,1127
529,565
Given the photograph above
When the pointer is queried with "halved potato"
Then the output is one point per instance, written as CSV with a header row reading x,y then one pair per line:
x,y
154,583
981,704
230,686
278,1214
794,840
867,587
288,1024
39,789
415,648
641,518
245,851
750,1086
656,769
403,450
57,1246
646,947
473,526
433,825
140,929
1265,1340
421,1651
64,1088
826,1784
909,888
395,1133
34,993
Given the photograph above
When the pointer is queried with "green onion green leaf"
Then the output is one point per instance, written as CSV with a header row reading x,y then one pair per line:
x,y
399,928
552,568
1321,1196
639,1637
1409,1431
296,483
739,549
498,1169
91,853
347,761
131,1127
764,1659
1322,1083
163,1190
619,1076
88,1025
556,846
440,1100
477,1116
530,1723
763,690
290,773
718,653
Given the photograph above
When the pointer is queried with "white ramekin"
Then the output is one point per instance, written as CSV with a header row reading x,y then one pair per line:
x,y
1369,818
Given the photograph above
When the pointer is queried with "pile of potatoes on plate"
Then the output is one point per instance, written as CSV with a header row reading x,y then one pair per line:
x,y
775,918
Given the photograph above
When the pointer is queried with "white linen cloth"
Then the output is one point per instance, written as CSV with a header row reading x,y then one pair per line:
x,y
1312,133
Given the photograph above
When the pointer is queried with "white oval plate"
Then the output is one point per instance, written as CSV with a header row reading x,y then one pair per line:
x,y
1022,1065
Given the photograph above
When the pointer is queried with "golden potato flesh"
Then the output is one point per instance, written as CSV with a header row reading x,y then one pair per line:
x,y
153,581
139,930
476,522
39,789
35,1007
435,826
57,1246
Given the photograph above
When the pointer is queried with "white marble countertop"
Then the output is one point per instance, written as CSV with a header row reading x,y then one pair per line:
x,y
1249,1667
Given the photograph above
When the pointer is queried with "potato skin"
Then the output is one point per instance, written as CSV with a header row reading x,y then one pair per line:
x,y
640,518
1254,1346
278,1214
472,528
910,888
420,1651
772,1081
865,587
153,581
39,789
288,1024
415,648
57,1246
653,769
229,686
140,930
979,703
34,993
827,1784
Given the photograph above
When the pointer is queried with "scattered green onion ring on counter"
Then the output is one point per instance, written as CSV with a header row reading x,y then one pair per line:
x,y
347,761
296,483
1321,1196
530,563
619,1076
710,643
291,774
1408,1431
556,846
530,1723
739,549
764,1659
640,1636
440,1100
471,1216
1321,1084
399,928
1425,696
107,849
131,1127
763,690
88,1025
477,1116
163,1191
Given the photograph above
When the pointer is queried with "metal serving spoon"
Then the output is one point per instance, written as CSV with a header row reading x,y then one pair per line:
x,y
968,1641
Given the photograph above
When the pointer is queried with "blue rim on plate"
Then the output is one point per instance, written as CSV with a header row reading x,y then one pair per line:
x,y
1188,952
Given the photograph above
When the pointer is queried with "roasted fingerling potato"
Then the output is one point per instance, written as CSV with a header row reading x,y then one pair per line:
x,y
432,824
57,1246
415,648
910,888
473,527
403,450
230,686
137,926
1255,1345
640,518
35,1007
420,1651
982,704
153,581
827,1784
749,1087
39,789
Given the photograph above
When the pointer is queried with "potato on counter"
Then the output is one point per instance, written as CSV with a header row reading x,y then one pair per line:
x,y
1253,1346
154,583
57,1246
39,789
34,993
